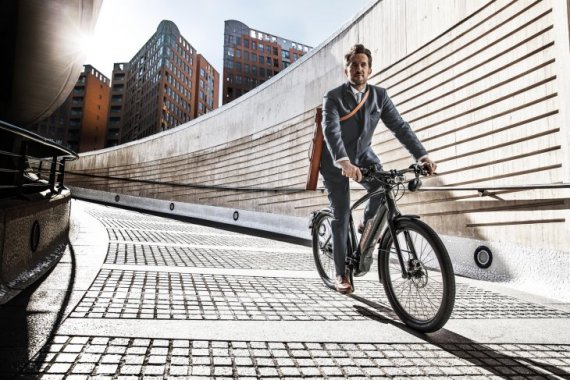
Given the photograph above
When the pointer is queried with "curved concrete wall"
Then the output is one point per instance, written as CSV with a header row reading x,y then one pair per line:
x,y
42,216
482,83
48,54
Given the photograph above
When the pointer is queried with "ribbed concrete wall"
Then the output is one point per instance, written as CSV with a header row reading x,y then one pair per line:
x,y
484,84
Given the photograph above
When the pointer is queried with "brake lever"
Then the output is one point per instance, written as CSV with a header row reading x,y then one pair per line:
x,y
369,171
419,169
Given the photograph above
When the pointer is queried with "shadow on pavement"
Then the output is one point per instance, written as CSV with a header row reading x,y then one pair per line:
x,y
29,326
491,360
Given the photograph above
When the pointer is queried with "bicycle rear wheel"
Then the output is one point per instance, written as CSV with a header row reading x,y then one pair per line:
x,y
323,248
424,300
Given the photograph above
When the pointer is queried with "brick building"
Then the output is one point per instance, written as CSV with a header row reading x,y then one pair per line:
x,y
251,57
80,123
166,84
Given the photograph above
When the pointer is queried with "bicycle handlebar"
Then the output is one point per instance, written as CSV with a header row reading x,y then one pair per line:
x,y
383,175
371,171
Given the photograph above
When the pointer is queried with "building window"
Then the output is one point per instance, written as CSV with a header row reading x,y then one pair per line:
x,y
245,43
275,50
202,72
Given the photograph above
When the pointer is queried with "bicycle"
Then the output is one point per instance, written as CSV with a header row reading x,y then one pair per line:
x,y
414,269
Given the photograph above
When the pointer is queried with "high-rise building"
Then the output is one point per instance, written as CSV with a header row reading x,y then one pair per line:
x,y
208,88
251,57
163,84
116,104
80,123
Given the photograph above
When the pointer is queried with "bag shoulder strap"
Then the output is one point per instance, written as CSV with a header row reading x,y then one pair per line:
x,y
358,106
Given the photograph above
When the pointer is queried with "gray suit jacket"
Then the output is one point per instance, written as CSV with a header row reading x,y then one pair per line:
x,y
352,138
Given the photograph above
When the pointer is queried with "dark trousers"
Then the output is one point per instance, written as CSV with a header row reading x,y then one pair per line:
x,y
339,200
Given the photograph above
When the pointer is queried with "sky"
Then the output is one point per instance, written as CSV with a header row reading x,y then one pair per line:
x,y
124,26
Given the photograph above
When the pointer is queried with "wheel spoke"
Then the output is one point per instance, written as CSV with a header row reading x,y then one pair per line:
x,y
323,249
419,296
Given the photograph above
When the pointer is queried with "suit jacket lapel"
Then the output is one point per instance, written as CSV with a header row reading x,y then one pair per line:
x,y
349,97
367,107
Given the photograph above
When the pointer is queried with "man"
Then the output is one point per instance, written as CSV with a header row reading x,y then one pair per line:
x,y
349,149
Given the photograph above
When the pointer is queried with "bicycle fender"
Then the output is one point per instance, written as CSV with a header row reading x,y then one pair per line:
x,y
406,217
315,214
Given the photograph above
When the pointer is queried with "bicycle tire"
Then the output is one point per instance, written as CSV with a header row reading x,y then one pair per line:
x,y
433,273
322,248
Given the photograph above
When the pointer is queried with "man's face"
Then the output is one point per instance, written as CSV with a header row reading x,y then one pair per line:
x,y
358,70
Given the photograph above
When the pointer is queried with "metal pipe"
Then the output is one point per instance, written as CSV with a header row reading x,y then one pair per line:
x,y
485,188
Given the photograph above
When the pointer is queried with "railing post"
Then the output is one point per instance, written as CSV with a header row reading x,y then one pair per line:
x,y
61,174
52,174
19,180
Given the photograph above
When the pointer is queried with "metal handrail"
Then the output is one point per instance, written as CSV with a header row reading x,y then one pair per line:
x,y
30,136
28,147
484,190
497,188
191,185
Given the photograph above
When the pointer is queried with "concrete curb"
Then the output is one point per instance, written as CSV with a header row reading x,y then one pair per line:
x,y
274,223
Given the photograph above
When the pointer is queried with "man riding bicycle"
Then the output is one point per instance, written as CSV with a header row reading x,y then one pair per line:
x,y
349,146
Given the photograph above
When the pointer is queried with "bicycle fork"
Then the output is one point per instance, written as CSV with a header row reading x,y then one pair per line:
x,y
393,213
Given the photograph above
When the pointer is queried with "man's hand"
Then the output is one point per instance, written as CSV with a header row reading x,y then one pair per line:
x,y
350,171
429,165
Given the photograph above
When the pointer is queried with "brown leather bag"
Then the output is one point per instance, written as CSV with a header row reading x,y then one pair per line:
x,y
318,142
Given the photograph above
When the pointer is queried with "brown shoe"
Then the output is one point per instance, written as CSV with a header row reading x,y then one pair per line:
x,y
342,285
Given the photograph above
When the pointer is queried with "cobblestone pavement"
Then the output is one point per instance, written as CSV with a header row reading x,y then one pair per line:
x,y
177,300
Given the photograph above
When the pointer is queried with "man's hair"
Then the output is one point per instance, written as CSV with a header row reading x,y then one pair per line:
x,y
357,49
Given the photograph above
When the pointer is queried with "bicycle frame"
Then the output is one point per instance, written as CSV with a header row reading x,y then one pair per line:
x,y
387,213
423,258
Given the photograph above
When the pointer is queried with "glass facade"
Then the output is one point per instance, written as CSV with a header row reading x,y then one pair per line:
x,y
160,85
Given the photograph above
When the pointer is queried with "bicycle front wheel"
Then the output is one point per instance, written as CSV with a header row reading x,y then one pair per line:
x,y
423,298
323,248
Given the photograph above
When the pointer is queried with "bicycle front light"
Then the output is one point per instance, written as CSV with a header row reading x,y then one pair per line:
x,y
414,184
